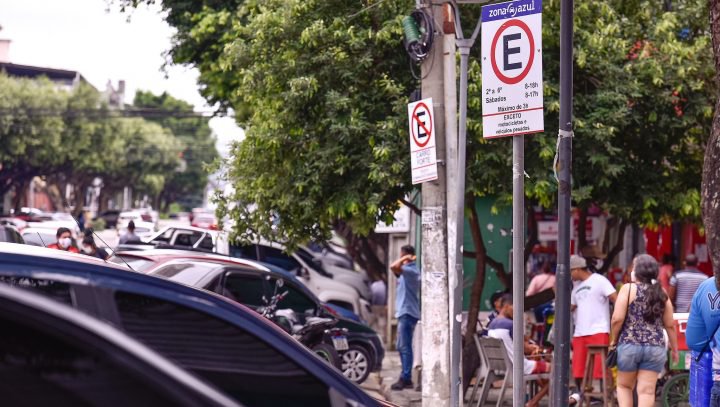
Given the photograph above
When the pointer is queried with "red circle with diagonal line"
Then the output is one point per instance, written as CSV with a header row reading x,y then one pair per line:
x,y
514,79
428,129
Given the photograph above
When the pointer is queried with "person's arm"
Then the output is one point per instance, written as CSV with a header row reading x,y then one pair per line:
x,y
697,333
396,266
669,323
619,314
671,292
532,287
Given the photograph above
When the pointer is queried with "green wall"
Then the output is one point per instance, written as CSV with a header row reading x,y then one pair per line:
x,y
496,231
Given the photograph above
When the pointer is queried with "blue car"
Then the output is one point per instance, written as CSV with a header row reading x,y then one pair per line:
x,y
231,347
53,355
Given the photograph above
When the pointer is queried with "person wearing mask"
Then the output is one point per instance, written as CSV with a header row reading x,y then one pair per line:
x,y
90,248
684,283
407,311
703,330
642,311
64,241
130,236
590,303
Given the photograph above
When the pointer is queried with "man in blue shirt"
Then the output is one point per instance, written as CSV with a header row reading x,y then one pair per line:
x,y
407,311
702,329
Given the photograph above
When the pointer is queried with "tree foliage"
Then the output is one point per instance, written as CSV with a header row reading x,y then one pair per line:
x,y
70,137
187,184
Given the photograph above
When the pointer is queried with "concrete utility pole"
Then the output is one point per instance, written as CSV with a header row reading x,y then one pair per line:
x,y
435,308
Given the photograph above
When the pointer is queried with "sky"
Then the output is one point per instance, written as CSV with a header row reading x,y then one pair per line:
x,y
97,40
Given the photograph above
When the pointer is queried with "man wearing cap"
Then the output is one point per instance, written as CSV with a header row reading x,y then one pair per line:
x,y
590,303
684,283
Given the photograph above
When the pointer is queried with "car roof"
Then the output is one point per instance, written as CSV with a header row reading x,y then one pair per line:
x,y
117,339
80,269
164,255
34,252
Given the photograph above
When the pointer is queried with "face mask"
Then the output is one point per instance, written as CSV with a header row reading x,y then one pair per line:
x,y
65,242
88,249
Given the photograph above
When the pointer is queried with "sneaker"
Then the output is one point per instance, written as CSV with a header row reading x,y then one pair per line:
x,y
402,384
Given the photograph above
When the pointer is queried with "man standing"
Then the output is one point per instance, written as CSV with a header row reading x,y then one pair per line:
x,y
590,303
64,241
407,311
702,333
684,283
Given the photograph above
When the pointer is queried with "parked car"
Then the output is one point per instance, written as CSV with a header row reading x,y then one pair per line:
x,y
10,234
11,220
340,273
110,217
38,236
51,354
205,221
202,270
223,342
56,220
323,284
253,286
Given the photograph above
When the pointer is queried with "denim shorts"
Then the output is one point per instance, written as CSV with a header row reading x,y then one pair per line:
x,y
632,358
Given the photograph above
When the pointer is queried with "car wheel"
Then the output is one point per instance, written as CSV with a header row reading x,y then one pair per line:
x,y
356,364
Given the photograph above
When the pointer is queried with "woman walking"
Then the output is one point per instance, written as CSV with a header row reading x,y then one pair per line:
x,y
642,311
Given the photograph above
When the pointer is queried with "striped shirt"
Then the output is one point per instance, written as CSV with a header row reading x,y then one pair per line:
x,y
686,282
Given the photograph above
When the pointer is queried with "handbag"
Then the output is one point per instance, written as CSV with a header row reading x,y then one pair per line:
x,y
611,360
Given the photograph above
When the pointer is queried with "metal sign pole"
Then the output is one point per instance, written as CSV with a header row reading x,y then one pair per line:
x,y
518,270
561,360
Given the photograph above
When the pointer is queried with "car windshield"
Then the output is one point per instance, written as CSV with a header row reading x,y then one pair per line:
x,y
39,239
189,273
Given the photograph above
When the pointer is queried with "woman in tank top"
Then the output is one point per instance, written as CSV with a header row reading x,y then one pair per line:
x,y
641,313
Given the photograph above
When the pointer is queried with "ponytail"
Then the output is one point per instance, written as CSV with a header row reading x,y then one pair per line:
x,y
646,271
656,300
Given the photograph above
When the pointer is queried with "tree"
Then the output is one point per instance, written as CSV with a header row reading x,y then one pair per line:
x,y
711,168
30,131
323,86
189,181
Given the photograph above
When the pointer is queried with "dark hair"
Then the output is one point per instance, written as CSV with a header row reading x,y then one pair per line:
x,y
131,225
88,232
88,240
691,260
408,249
505,299
668,258
646,271
60,231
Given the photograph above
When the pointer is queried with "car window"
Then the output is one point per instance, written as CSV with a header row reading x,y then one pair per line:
x,y
39,239
246,289
17,237
185,273
244,251
207,243
40,367
56,290
279,258
236,361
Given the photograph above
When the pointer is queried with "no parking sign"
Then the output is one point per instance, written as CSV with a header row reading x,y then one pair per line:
x,y
423,161
512,90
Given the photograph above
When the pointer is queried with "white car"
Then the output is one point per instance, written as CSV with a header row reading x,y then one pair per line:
x,y
344,275
38,236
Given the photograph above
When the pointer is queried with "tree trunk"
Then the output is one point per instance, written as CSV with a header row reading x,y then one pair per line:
x,y
366,251
711,167
616,249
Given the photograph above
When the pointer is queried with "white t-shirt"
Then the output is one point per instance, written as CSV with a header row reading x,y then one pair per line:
x,y
592,315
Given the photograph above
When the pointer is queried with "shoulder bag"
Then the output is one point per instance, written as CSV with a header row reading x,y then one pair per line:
x,y
611,360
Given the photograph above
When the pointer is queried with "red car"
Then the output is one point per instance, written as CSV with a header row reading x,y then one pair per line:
x,y
205,221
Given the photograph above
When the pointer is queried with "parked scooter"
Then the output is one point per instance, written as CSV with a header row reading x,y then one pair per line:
x,y
317,334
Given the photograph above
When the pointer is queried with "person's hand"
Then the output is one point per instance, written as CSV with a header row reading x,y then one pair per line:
x,y
674,355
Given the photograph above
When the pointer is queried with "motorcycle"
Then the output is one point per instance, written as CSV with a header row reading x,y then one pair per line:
x,y
317,334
